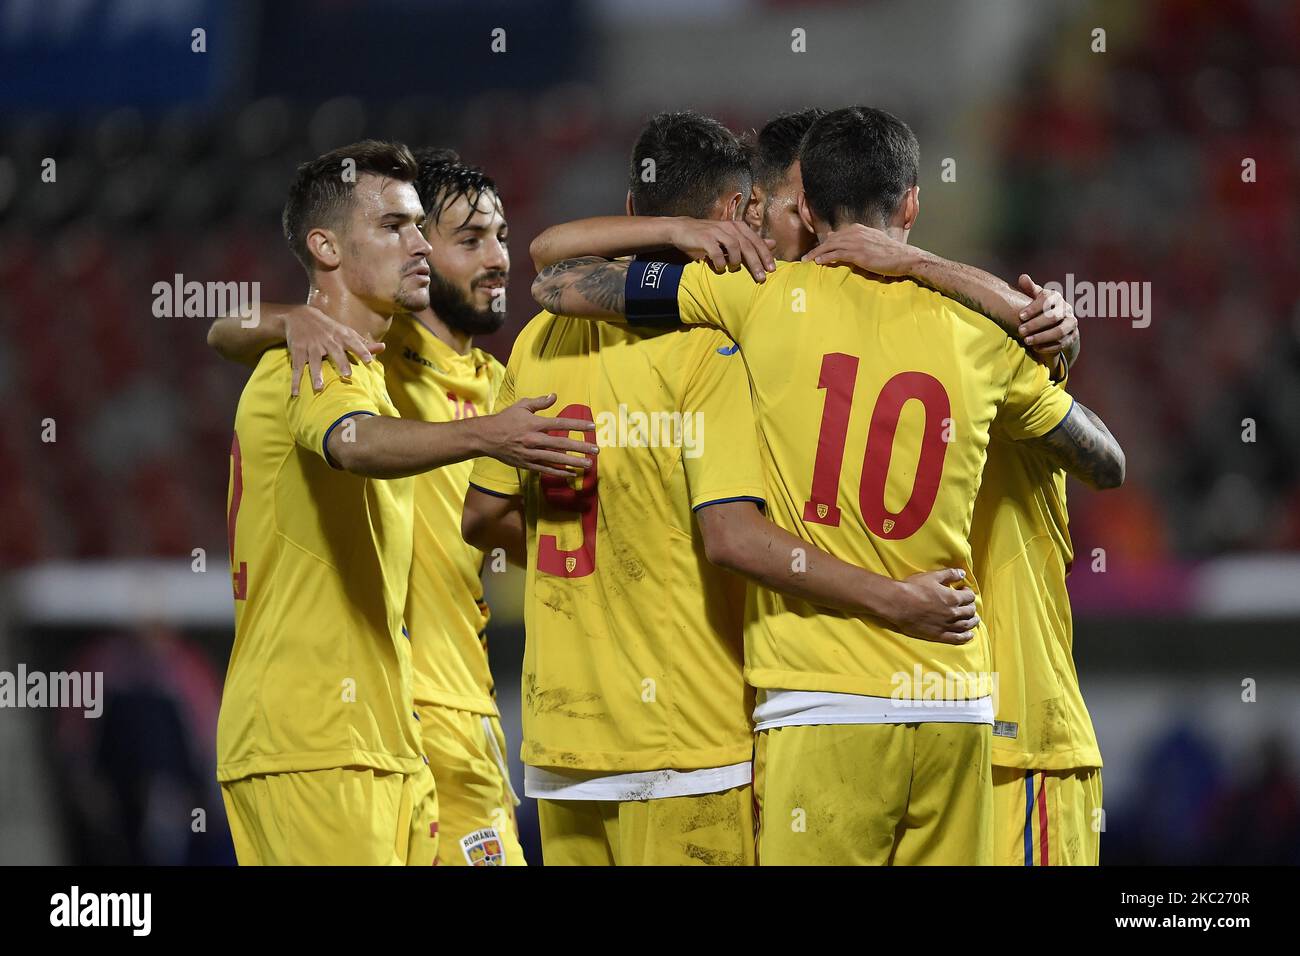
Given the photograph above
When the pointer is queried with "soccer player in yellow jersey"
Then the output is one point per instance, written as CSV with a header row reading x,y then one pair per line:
x,y
319,750
637,735
875,403
1046,762
434,373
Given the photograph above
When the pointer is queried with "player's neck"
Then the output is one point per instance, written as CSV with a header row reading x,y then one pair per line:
x,y
455,339
350,310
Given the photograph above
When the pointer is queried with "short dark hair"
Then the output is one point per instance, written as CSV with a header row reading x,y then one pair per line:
x,y
776,146
857,164
443,178
696,160
320,195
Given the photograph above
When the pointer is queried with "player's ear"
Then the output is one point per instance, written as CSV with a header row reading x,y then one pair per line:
x,y
733,208
805,214
754,208
910,208
630,206
324,247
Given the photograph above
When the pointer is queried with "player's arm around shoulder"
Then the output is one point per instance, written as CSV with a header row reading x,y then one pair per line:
x,y
310,335
722,242
643,291
1038,317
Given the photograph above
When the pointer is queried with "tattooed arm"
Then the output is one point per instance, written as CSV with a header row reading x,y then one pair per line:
x,y
1040,318
1084,447
589,286
311,335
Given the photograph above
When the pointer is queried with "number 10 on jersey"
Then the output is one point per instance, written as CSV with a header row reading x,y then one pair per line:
x,y
839,373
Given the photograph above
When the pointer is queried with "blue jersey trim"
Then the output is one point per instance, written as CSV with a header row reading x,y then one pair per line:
x,y
325,442
1073,402
488,491
762,504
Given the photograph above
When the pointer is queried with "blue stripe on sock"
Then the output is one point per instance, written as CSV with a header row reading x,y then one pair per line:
x,y
1029,819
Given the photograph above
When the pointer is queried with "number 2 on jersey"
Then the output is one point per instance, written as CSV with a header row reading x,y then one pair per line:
x,y
839,373
561,495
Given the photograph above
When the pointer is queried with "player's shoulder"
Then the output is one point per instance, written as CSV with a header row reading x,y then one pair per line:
x,y
272,362
737,279
936,309
841,279
272,375
367,377
266,392
544,334
930,300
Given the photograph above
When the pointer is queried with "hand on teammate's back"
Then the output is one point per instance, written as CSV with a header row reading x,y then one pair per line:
x,y
1047,324
931,609
312,336
519,437
726,244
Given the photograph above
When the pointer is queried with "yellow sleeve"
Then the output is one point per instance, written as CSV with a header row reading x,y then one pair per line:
x,y
490,475
312,416
1034,404
720,300
720,437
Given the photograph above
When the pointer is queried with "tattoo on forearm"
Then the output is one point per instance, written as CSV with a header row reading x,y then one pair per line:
x,y
599,281
603,286
1084,446
549,286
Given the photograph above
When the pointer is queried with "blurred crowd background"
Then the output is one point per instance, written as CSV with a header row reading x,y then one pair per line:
x,y
1113,157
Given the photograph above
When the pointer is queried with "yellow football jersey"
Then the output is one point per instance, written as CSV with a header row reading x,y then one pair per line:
x,y
633,653
445,611
1020,541
874,402
320,672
